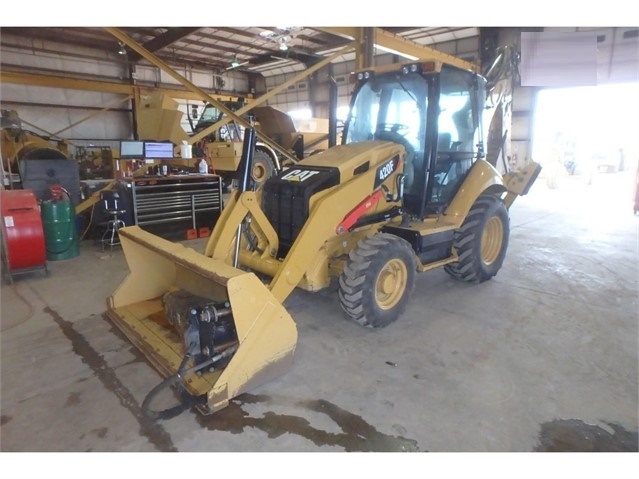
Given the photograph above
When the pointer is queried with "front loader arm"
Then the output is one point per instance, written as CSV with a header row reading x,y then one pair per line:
x,y
327,213
240,205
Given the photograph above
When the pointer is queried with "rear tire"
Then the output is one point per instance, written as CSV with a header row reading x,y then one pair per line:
x,y
377,280
481,242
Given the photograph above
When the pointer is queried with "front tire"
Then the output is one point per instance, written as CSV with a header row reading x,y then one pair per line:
x,y
482,241
377,281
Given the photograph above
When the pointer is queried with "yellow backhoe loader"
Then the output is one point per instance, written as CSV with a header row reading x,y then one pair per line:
x,y
407,190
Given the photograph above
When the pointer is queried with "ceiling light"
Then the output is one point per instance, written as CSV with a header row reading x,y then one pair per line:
x,y
234,62
122,50
283,45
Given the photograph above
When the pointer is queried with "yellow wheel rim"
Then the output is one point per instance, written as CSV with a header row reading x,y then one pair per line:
x,y
390,284
491,240
259,172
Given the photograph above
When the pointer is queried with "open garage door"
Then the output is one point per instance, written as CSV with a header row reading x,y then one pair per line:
x,y
586,139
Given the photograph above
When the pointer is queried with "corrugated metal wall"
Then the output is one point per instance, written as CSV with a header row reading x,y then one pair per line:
x,y
55,109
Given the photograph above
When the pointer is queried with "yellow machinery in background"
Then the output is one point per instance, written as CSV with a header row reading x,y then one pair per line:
x,y
17,143
159,118
408,190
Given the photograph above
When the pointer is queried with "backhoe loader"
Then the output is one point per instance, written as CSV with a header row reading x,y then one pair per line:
x,y
407,190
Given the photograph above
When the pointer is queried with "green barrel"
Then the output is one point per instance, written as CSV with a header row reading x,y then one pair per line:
x,y
60,232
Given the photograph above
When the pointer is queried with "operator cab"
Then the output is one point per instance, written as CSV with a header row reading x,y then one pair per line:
x,y
434,111
211,114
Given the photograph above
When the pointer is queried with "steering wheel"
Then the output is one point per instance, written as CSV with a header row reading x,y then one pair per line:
x,y
392,128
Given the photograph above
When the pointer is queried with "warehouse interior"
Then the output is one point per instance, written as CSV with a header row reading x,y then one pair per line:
x,y
145,159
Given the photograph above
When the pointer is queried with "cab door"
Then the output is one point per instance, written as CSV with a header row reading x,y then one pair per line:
x,y
458,140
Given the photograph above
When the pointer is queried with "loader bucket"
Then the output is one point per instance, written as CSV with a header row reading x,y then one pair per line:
x,y
266,335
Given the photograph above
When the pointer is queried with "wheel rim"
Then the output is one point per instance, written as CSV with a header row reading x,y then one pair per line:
x,y
390,284
259,172
491,240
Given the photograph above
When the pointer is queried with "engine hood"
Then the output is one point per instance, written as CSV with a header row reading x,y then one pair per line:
x,y
354,158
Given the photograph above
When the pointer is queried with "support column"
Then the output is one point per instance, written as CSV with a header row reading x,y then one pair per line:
x,y
368,47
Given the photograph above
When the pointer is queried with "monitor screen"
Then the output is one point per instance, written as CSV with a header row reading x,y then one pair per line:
x,y
154,150
131,149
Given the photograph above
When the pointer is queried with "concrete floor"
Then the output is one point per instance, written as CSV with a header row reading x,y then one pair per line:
x,y
543,357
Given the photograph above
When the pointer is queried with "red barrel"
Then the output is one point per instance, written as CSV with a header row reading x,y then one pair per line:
x,y
22,230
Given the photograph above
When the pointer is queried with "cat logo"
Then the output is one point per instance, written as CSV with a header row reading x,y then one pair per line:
x,y
299,175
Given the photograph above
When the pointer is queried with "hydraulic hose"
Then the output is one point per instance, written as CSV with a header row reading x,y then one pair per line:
x,y
187,400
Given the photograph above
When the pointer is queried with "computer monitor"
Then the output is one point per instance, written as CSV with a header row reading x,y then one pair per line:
x,y
131,149
157,150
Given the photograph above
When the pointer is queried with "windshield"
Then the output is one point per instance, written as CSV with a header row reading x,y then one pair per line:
x,y
229,132
390,103
209,115
392,107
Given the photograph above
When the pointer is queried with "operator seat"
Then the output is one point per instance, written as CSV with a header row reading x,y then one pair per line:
x,y
443,142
